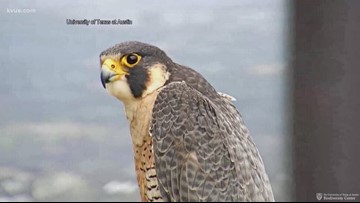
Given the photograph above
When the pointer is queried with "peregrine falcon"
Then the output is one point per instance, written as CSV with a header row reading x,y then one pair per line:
x,y
190,143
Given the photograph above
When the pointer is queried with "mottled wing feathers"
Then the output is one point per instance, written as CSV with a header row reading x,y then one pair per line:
x,y
203,151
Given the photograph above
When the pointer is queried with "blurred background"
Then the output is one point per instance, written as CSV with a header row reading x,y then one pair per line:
x,y
63,138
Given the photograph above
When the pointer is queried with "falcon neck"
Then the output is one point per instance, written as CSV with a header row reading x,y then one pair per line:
x,y
139,114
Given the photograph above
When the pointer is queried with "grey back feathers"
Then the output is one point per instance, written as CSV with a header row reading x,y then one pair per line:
x,y
203,151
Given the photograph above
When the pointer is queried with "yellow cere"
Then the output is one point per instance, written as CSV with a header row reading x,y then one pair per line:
x,y
115,66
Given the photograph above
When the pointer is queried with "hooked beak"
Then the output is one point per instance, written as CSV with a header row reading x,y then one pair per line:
x,y
111,70
107,76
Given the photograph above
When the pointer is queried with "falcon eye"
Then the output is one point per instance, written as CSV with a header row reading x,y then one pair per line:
x,y
131,60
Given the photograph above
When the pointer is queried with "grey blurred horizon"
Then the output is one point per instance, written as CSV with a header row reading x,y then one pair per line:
x,y
63,138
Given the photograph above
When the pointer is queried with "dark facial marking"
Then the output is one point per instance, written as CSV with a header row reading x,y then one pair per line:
x,y
137,80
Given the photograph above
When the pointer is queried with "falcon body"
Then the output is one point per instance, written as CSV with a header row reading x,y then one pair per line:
x,y
190,142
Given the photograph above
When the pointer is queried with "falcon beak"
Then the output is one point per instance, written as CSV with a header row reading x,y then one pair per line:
x,y
107,76
111,71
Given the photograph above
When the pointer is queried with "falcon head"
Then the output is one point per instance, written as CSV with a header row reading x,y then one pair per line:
x,y
132,70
